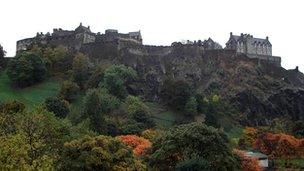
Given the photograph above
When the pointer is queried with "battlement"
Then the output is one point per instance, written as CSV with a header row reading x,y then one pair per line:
x,y
74,39
83,39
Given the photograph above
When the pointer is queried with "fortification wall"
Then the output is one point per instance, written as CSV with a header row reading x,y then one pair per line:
x,y
276,60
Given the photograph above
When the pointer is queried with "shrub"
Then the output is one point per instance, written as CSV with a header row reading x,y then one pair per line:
x,y
194,140
12,107
99,153
69,91
81,69
177,93
116,79
191,107
279,145
138,144
26,69
58,106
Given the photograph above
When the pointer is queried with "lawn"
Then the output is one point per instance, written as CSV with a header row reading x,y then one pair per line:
x,y
163,116
30,96
292,164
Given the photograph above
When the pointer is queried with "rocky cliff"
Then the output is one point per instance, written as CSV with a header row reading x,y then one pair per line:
x,y
255,87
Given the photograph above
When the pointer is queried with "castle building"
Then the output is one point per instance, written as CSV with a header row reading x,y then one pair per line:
x,y
253,47
75,39
246,43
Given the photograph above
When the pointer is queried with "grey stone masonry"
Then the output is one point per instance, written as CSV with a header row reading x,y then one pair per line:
x,y
253,47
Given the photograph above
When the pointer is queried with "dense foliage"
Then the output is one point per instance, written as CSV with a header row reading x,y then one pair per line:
x,y
26,69
190,142
279,145
69,91
116,79
99,153
30,140
58,106
97,103
81,69
138,144
2,55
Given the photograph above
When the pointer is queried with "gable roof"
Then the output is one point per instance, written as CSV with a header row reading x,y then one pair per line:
x,y
248,37
83,29
257,155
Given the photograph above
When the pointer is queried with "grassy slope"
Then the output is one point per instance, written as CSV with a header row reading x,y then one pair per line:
x,y
163,117
30,96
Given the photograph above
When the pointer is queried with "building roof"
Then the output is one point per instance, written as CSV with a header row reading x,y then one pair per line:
x,y
83,29
248,37
257,155
136,33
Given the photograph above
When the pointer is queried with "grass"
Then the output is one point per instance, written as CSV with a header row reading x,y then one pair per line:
x,y
163,117
293,163
30,96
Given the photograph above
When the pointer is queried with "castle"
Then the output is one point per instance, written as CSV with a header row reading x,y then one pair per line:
x,y
252,47
84,40
75,39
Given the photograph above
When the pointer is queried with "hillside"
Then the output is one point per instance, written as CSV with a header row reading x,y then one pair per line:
x,y
258,89
30,96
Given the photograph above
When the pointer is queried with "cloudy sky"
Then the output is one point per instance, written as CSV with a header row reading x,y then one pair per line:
x,y
163,21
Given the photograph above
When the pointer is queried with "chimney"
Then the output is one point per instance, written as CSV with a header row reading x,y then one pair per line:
x,y
267,38
88,27
80,23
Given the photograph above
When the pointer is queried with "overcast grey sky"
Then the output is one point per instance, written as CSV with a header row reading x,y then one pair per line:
x,y
163,21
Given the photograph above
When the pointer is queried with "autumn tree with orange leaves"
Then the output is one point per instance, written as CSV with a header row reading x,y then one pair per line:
x,y
138,144
248,137
279,145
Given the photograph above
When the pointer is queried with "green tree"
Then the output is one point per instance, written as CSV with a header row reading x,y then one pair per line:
x,y
117,78
177,93
298,129
26,69
99,153
81,69
59,107
15,154
96,104
11,107
69,91
2,52
97,75
2,55
93,110
191,107
34,140
193,141
138,115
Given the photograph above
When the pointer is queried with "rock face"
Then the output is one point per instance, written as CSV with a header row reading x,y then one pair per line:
x,y
255,87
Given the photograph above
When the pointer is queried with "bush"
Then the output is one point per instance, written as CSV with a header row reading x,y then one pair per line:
x,y
99,153
192,141
26,69
69,91
138,112
138,144
191,107
2,54
177,93
12,107
58,106
116,78
81,69
96,104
